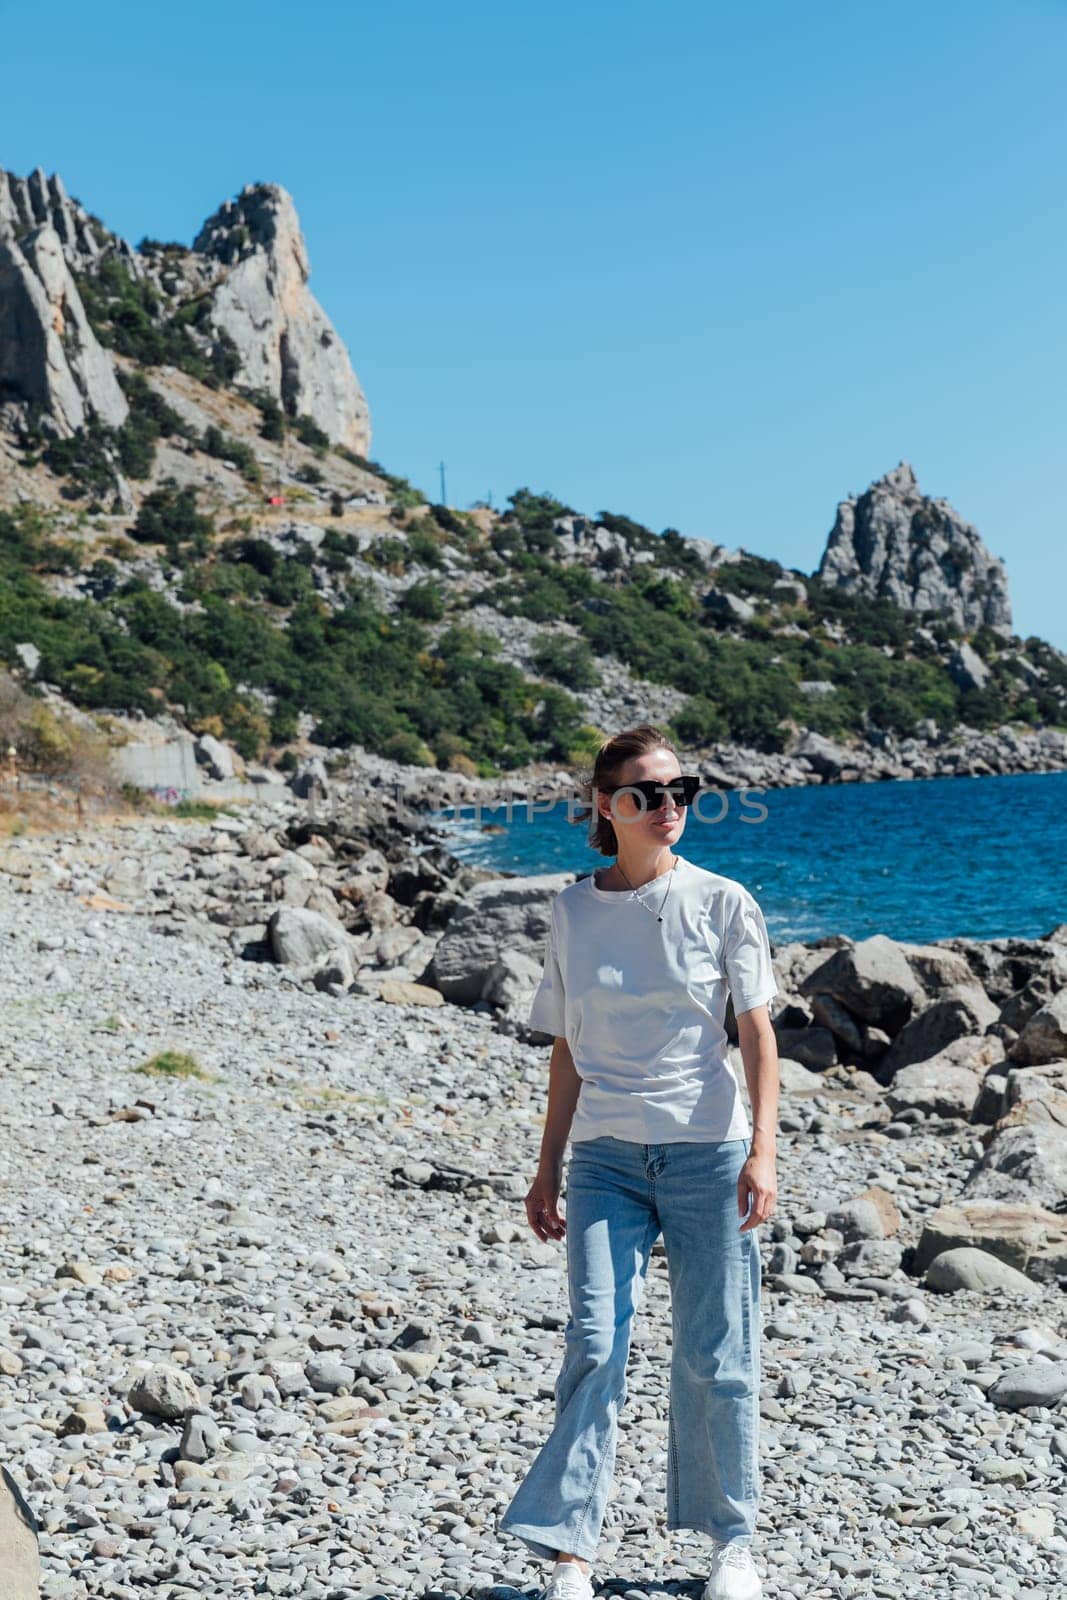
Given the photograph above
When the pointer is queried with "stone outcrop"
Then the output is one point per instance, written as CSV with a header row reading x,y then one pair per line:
x,y
286,343
38,201
894,543
50,360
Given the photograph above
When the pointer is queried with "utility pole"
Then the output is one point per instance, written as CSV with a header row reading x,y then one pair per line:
x,y
441,469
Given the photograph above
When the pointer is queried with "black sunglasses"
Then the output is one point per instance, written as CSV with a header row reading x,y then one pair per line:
x,y
681,789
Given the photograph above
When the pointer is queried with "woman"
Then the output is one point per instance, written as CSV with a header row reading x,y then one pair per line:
x,y
638,961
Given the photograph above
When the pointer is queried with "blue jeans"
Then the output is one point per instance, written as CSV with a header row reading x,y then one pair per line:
x,y
620,1196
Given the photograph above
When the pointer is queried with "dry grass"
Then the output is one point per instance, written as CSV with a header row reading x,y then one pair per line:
x,y
61,777
31,811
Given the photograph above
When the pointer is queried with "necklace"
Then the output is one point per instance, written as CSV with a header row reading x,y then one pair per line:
x,y
658,915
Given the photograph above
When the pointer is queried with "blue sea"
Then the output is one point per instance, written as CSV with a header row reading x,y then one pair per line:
x,y
932,858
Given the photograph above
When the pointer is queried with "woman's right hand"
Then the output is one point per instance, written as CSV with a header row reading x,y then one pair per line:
x,y
542,1207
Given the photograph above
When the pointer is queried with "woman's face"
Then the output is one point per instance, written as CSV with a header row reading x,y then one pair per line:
x,y
635,822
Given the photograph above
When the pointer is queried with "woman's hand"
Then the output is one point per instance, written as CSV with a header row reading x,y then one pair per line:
x,y
542,1207
756,1178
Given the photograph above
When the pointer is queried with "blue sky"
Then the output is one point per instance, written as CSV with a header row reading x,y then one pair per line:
x,y
715,266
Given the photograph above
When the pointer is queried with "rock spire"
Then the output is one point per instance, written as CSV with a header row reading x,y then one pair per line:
x,y
896,543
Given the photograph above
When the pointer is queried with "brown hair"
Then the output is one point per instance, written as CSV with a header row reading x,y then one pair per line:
x,y
606,773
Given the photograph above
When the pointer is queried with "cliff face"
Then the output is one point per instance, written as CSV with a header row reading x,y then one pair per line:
x,y
50,358
245,278
285,341
895,543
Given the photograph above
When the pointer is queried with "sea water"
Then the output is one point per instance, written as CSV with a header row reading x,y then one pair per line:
x,y
920,859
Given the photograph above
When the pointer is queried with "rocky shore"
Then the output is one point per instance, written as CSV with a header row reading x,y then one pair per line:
x,y
810,759
272,1321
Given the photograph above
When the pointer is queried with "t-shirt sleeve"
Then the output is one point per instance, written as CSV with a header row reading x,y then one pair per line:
x,y
547,1006
747,957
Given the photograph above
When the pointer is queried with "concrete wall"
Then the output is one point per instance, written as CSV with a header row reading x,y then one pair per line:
x,y
171,771
172,765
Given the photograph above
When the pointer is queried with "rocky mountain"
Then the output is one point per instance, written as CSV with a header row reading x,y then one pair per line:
x,y
240,293
191,532
285,341
894,543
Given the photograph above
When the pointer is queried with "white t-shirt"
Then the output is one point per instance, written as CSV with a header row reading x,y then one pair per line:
x,y
642,1003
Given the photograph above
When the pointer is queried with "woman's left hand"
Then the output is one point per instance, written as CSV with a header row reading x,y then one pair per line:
x,y
756,1178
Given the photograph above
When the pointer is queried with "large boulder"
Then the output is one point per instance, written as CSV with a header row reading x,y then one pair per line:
x,y
1024,1163
497,915
966,667
1036,1094
979,1055
967,1268
828,1012
509,986
824,756
286,344
1044,979
796,1079
722,603
813,1048
936,1087
871,979
1026,1236
937,967
1044,1038
1030,1384
216,756
298,938
961,1012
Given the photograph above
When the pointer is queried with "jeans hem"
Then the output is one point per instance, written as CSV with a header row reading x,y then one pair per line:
x,y
534,1538
673,1524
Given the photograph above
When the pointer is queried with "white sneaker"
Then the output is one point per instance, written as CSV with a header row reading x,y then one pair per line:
x,y
733,1574
567,1582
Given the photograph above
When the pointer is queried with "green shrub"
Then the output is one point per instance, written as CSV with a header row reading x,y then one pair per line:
x,y
449,522
535,516
406,497
169,516
129,315
423,547
408,748
308,432
700,722
423,600
219,445
87,460
750,577
390,554
569,661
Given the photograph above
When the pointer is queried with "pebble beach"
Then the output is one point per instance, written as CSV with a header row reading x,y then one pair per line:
x,y
272,1321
